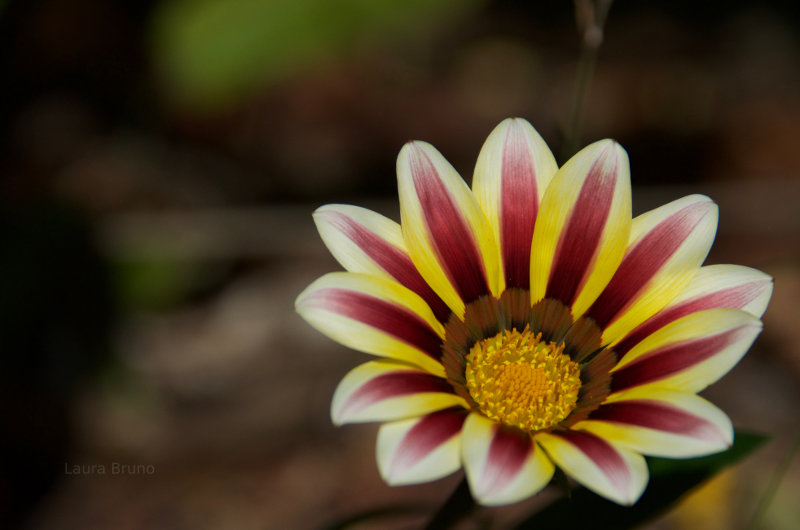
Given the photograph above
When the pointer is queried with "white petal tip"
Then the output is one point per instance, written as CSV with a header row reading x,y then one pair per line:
x,y
299,303
336,411
629,497
413,148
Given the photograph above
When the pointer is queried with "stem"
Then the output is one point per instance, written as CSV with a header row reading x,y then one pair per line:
x,y
586,65
458,505
590,17
775,481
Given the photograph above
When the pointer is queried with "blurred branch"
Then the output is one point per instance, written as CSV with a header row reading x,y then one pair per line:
x,y
774,483
590,18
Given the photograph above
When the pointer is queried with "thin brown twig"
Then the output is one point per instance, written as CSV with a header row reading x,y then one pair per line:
x,y
590,18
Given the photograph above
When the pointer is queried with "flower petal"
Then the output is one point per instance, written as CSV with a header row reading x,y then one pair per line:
x,y
690,353
610,471
364,241
582,227
445,231
661,422
667,247
503,465
420,449
713,286
374,315
386,391
513,170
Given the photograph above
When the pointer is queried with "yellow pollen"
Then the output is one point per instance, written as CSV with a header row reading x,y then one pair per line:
x,y
517,379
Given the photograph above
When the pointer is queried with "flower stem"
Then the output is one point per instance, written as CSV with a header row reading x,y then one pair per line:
x,y
590,17
457,506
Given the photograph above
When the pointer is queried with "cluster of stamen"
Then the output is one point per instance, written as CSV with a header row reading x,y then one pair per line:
x,y
517,379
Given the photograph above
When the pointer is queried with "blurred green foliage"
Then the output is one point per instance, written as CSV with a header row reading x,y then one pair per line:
x,y
210,53
158,285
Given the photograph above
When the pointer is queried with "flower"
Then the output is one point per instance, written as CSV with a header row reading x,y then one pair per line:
x,y
530,322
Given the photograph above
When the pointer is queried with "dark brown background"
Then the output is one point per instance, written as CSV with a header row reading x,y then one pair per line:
x,y
160,162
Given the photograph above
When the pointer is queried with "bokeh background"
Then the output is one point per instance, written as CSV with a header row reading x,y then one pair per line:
x,y
160,161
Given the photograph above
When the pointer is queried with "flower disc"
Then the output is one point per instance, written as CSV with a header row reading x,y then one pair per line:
x,y
519,380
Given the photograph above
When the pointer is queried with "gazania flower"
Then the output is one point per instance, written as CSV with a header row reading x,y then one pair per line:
x,y
530,322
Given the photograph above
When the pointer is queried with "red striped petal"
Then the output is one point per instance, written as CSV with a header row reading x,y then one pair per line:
x,y
392,319
660,421
386,390
502,464
604,456
392,259
644,260
605,468
659,416
508,452
425,436
675,358
735,297
580,240
448,231
519,206
583,227
391,385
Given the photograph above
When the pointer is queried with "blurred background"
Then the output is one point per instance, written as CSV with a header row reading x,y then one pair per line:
x,y
160,162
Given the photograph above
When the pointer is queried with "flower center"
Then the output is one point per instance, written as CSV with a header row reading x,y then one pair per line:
x,y
517,379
